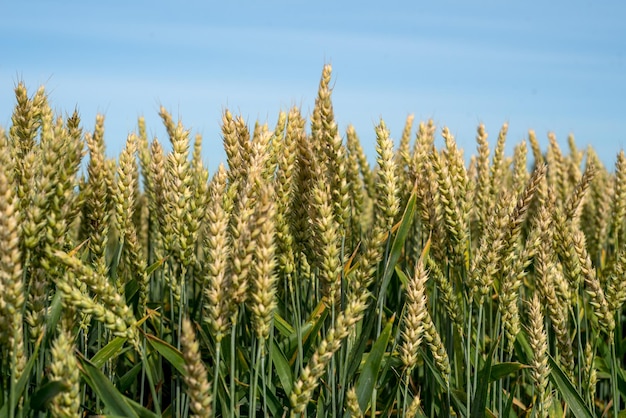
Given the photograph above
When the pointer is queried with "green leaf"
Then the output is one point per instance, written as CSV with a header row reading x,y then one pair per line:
x,y
153,267
523,350
479,403
320,406
19,387
117,403
168,351
568,391
115,261
45,393
274,405
108,416
435,371
310,329
167,413
398,243
109,351
141,410
150,367
458,399
282,326
502,370
403,277
283,370
356,354
131,290
556,410
290,344
369,374
509,403
603,364
54,314
129,377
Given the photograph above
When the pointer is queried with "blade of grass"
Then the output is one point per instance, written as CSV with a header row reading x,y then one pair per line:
x,y
109,351
283,369
168,351
141,410
129,377
398,244
568,391
106,391
434,370
604,363
54,314
479,403
154,266
39,400
283,327
18,390
502,370
369,374
508,407
317,320
356,355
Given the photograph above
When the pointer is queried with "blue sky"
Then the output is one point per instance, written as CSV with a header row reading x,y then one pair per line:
x,y
550,66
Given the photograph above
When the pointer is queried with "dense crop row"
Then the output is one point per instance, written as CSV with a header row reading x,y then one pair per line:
x,y
298,280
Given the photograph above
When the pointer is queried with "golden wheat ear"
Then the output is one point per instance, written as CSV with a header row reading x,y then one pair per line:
x,y
195,377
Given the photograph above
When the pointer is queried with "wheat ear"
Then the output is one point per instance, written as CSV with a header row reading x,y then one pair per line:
x,y
195,377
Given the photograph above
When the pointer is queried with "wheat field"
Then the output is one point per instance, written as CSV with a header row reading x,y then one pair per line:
x,y
298,280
